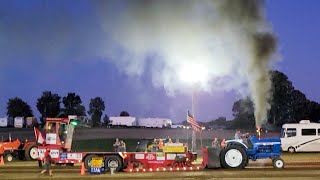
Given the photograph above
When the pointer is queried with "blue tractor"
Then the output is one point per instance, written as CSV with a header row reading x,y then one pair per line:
x,y
237,153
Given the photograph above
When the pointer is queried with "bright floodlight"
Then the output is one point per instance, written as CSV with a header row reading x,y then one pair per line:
x,y
192,73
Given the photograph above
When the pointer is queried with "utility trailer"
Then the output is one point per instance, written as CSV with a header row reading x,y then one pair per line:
x,y
59,134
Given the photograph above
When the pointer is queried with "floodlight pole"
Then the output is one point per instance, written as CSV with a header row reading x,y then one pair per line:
x,y
193,142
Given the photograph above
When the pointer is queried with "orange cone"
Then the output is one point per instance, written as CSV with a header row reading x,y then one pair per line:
x,y
83,171
1,161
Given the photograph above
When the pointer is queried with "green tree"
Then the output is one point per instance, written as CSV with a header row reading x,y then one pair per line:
x,y
72,105
124,113
314,111
48,105
16,107
220,121
96,108
281,103
243,112
106,120
288,104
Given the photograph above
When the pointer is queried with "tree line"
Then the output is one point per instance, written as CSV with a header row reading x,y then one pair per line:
x,y
49,105
288,105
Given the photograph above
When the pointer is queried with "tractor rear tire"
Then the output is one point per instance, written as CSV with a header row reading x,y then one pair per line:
x,y
277,163
113,161
31,152
233,156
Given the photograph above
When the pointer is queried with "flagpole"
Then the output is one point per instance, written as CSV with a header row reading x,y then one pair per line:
x,y
201,137
35,133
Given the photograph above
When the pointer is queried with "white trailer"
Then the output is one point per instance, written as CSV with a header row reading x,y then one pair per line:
x,y
123,121
177,126
301,137
155,122
18,122
4,122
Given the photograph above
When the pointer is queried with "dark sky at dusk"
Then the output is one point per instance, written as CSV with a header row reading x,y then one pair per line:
x,y
60,48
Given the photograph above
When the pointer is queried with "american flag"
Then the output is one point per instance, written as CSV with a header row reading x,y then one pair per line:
x,y
195,126
39,136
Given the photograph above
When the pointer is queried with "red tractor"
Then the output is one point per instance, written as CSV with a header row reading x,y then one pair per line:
x,y
23,150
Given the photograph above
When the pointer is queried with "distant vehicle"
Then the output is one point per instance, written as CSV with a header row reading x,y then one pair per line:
x,y
126,121
18,122
154,122
175,126
301,137
4,122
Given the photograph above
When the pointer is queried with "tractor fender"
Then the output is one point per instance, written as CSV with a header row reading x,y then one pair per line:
x,y
238,142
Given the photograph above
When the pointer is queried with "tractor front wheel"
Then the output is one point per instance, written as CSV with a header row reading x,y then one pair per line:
x,y
8,158
233,156
277,162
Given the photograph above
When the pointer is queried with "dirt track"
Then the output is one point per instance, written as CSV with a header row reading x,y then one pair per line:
x,y
255,170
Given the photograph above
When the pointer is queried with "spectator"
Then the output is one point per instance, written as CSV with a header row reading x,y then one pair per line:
x,y
215,143
155,145
48,160
223,143
122,146
170,140
161,144
116,145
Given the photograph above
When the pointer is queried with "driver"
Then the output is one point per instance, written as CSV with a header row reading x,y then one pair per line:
x,y
238,135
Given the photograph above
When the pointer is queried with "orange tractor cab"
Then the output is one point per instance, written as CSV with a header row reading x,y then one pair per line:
x,y
59,134
23,150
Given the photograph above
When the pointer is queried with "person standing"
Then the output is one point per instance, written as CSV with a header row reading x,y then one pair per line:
x,y
223,143
122,146
215,143
47,158
116,145
161,144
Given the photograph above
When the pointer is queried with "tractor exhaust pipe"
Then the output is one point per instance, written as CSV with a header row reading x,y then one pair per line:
x,y
259,132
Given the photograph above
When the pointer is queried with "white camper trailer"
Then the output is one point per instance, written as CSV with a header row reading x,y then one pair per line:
x,y
301,137
18,122
155,122
4,122
123,121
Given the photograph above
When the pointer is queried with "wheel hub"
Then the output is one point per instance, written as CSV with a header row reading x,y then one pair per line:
x,y
233,158
34,153
113,164
9,158
279,163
